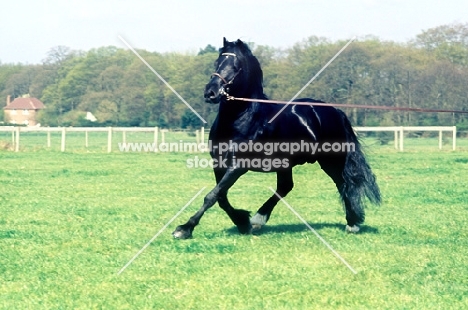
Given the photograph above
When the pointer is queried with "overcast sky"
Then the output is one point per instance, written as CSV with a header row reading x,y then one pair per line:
x,y
30,28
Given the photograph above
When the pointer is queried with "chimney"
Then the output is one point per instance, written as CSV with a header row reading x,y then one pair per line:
x,y
8,100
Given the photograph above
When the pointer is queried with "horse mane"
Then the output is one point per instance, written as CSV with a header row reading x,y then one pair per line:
x,y
250,64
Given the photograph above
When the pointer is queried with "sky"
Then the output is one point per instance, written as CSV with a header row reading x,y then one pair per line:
x,y
31,28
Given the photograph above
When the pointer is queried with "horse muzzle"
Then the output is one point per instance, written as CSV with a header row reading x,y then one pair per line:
x,y
213,94
211,97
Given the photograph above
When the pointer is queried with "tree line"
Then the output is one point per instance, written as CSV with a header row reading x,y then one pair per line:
x,y
429,71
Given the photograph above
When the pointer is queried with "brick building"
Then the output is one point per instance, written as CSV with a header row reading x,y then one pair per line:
x,y
22,111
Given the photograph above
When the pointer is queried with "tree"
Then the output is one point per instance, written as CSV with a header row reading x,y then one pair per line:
x,y
207,50
453,34
57,55
190,120
447,42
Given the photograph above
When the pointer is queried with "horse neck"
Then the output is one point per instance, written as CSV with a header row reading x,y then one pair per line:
x,y
235,109
232,110
239,119
241,116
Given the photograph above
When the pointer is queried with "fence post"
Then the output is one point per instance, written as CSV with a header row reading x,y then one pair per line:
x,y
62,145
163,138
124,136
396,139
48,138
156,129
202,135
440,139
401,138
86,138
17,142
109,140
197,136
454,138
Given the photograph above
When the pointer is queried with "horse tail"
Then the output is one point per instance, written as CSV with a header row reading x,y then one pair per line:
x,y
359,180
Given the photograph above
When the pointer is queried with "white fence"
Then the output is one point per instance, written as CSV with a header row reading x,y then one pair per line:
x,y
16,134
400,130
200,134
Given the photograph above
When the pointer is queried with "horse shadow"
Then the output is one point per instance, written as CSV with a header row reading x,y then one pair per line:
x,y
300,228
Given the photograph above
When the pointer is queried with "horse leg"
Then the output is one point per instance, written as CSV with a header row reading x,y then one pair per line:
x,y
284,184
230,177
334,168
240,218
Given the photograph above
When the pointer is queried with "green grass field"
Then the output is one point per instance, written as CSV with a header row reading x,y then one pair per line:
x,y
70,221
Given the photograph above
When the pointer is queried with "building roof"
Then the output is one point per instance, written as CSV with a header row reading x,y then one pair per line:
x,y
25,104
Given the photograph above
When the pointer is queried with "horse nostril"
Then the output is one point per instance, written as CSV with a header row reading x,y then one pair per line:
x,y
210,94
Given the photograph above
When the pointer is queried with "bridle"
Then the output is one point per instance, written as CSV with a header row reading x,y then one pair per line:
x,y
224,90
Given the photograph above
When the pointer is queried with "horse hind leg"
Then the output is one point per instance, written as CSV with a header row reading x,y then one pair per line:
x,y
284,184
258,221
353,218
350,197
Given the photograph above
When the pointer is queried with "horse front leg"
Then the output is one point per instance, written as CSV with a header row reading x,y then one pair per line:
x,y
240,218
220,190
284,184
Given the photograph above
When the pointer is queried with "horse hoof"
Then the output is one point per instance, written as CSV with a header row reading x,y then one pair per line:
x,y
245,229
182,232
256,227
352,229
257,221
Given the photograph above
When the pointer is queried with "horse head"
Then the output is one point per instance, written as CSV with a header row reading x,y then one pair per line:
x,y
233,72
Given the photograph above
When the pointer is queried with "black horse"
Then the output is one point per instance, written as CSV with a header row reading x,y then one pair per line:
x,y
244,137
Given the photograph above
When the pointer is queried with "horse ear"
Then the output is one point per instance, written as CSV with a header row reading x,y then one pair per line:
x,y
239,42
225,42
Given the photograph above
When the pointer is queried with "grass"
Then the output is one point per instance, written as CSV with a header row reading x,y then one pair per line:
x,y
70,221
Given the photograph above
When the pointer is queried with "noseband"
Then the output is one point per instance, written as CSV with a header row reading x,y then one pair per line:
x,y
222,79
224,90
